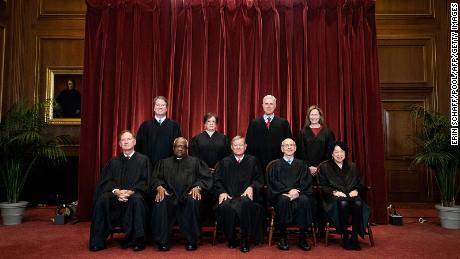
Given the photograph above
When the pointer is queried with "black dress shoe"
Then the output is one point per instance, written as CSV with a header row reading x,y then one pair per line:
x,y
139,246
303,244
244,246
233,244
190,247
283,245
347,245
163,248
355,245
96,248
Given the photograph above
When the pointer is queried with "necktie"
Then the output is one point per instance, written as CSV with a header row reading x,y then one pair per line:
x,y
289,161
268,122
238,160
128,157
160,121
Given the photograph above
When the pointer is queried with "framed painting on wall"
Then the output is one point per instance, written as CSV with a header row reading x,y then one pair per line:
x,y
63,85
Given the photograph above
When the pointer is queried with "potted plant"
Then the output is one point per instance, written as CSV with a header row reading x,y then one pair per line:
x,y
436,153
23,141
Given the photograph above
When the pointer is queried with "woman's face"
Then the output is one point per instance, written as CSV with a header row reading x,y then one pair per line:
x,y
314,116
338,154
210,124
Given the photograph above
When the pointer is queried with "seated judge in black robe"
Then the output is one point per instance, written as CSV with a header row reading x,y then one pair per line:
x,y
290,186
119,197
210,145
69,101
314,140
265,134
238,183
341,183
155,137
178,181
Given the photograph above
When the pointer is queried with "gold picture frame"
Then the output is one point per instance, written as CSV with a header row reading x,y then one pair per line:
x,y
66,106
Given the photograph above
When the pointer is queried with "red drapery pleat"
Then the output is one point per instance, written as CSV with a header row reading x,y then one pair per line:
x,y
224,56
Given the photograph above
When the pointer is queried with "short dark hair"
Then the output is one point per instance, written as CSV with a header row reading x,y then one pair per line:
x,y
160,97
209,115
343,145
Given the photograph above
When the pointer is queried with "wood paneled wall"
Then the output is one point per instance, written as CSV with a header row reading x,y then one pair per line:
x,y
413,54
413,47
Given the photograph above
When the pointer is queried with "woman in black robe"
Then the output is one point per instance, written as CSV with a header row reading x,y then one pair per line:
x,y
342,187
314,140
210,145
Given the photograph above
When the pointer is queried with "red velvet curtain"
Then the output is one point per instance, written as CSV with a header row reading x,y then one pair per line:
x,y
224,56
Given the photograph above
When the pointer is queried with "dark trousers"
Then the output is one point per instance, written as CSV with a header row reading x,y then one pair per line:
x,y
170,210
298,211
350,207
248,213
109,212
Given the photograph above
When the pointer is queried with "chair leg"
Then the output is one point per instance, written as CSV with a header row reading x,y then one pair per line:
x,y
326,235
270,230
313,233
371,236
214,234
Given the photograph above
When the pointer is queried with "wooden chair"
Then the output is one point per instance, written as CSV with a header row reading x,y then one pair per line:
x,y
272,214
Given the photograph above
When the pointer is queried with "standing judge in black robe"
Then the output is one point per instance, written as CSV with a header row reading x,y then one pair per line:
x,y
155,137
290,187
119,197
238,183
342,186
265,134
314,140
210,145
178,181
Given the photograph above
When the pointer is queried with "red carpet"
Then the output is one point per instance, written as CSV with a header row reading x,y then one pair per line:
x,y
37,237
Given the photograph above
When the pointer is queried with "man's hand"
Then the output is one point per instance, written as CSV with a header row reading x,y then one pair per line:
x,y
353,193
313,170
195,192
223,197
248,193
339,194
293,194
161,192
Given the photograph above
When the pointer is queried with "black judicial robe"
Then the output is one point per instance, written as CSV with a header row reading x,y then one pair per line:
x,y
234,178
155,140
314,149
210,149
121,173
179,176
345,179
281,179
265,144
284,176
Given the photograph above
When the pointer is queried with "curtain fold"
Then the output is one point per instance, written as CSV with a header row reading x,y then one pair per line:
x,y
224,56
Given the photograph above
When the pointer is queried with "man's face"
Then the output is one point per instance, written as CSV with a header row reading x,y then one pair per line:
x,y
127,142
69,84
239,147
288,147
269,106
180,148
160,107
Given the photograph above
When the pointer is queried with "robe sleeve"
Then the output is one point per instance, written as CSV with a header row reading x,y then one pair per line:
x,y
287,130
158,177
306,179
219,186
107,182
204,178
141,140
193,147
276,186
257,181
359,183
324,181
300,146
329,142
142,184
